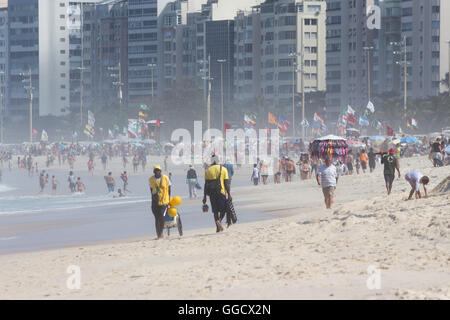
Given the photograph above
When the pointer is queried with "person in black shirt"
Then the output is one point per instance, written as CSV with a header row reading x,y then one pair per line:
x,y
436,153
191,180
372,157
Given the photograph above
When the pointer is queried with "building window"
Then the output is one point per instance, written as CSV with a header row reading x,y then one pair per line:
x,y
62,4
62,16
62,63
63,75
62,51
63,98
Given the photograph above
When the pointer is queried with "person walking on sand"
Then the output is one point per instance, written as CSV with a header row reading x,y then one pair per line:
x,y
255,175
192,180
160,189
110,182
217,187
363,160
104,160
372,158
415,178
391,164
327,176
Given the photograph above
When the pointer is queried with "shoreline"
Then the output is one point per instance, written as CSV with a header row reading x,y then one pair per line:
x,y
304,252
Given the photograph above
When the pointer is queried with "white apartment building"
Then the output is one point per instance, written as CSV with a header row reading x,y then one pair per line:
x,y
293,41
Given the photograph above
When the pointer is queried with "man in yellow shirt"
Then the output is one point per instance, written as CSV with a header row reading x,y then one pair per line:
x,y
160,189
217,187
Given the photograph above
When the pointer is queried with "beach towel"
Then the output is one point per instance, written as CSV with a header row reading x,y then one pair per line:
x,y
231,213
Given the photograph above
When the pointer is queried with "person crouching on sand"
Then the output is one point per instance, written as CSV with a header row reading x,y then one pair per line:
x,y
328,180
415,178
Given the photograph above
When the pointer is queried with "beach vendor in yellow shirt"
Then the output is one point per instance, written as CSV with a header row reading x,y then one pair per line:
x,y
217,187
160,189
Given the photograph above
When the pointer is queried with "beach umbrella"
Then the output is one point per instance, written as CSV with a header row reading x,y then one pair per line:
x,y
330,137
377,138
447,149
409,140
169,144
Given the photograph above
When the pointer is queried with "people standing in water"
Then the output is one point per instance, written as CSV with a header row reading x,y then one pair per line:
x,y
329,176
72,182
391,164
160,189
110,182
42,181
80,185
124,177
55,183
217,187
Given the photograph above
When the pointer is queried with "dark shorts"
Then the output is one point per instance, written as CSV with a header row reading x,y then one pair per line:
x,y
364,165
372,164
218,203
350,166
290,171
389,178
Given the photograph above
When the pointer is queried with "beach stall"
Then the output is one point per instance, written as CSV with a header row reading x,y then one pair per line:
x,y
330,145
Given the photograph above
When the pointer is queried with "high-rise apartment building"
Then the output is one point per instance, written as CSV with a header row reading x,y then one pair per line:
x,y
3,57
247,56
292,32
142,50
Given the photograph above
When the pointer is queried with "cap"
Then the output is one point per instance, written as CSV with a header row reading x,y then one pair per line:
x,y
391,151
157,168
214,158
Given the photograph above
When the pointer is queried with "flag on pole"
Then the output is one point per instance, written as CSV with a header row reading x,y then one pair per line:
x,y
350,110
35,132
158,122
248,120
364,121
371,107
110,134
44,136
273,119
414,123
389,130
91,119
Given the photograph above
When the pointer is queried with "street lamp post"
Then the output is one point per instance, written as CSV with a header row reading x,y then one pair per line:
x,y
1,107
448,42
152,66
369,86
294,71
119,84
81,94
405,73
30,88
221,61
208,99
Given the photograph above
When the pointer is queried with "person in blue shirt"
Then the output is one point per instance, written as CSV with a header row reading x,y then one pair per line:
x,y
230,169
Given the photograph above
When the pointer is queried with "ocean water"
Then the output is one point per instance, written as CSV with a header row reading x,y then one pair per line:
x,y
5,188
33,204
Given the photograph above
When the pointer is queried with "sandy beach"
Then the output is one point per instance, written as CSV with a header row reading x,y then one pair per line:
x,y
304,252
